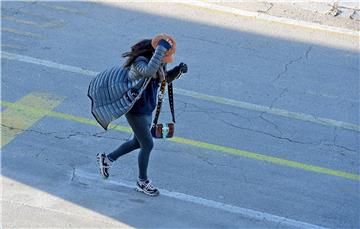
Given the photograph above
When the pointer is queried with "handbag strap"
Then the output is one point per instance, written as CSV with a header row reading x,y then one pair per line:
x,y
171,101
160,101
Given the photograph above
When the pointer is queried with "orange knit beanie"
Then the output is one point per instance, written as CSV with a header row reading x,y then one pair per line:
x,y
168,58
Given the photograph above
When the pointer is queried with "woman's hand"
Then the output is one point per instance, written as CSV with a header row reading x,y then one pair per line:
x,y
183,68
166,43
176,72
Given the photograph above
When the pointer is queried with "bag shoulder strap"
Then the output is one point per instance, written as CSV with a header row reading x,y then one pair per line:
x,y
171,101
160,101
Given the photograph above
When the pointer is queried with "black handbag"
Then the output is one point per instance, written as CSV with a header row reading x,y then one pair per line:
x,y
160,130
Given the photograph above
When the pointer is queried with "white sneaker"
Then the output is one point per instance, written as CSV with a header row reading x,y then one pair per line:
x,y
147,188
104,164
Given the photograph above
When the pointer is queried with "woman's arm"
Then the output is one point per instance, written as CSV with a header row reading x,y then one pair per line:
x,y
148,69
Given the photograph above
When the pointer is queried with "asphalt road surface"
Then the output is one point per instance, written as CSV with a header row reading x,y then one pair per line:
x,y
267,132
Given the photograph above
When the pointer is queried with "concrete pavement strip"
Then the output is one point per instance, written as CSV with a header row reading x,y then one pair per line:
x,y
89,178
261,16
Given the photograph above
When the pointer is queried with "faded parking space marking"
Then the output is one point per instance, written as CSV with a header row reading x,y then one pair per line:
x,y
49,24
61,8
23,33
15,120
13,46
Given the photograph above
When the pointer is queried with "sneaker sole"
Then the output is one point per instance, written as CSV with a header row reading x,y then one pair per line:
x,y
147,193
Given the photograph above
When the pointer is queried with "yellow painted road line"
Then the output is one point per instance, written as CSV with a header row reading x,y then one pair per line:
x,y
261,157
203,145
22,33
51,24
15,120
197,95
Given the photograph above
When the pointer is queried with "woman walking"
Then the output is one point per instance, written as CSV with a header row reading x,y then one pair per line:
x,y
131,90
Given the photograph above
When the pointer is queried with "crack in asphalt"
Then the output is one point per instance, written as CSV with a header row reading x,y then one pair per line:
x,y
306,55
308,52
201,157
40,153
321,142
29,130
269,134
271,123
70,135
286,68
286,217
278,97
340,146
72,175
210,111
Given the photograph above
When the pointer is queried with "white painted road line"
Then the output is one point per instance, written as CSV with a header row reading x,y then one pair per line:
x,y
248,213
266,17
269,110
210,98
50,64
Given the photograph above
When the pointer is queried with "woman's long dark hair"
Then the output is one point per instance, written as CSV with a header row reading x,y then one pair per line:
x,y
142,48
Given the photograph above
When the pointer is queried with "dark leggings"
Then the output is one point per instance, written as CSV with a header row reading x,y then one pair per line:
x,y
142,139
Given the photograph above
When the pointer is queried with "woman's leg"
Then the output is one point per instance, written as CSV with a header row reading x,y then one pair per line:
x,y
126,147
141,127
